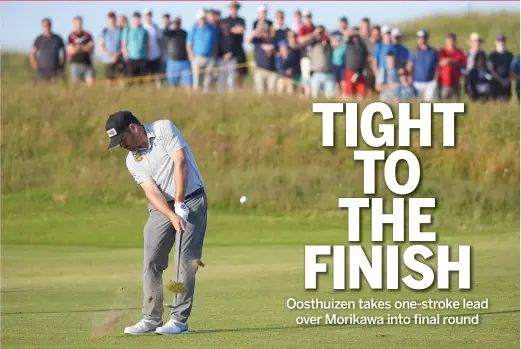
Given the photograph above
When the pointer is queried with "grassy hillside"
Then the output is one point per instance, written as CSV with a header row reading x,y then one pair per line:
x,y
488,26
54,145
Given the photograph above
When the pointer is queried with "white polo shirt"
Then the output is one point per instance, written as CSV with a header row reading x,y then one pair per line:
x,y
164,139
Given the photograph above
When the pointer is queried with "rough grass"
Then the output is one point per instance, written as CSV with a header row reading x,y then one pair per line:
x,y
54,144
267,148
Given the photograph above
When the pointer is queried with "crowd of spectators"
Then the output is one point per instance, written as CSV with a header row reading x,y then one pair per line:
x,y
366,61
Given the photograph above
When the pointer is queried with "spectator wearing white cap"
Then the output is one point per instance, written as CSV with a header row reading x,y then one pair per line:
x,y
304,35
401,53
201,45
263,20
475,42
155,38
423,65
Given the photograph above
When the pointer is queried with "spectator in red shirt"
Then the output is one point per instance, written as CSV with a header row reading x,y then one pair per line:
x,y
304,35
452,61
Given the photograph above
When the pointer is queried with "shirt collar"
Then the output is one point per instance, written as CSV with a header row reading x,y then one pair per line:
x,y
150,134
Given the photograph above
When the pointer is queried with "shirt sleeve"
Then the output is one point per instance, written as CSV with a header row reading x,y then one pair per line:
x,y
137,171
189,36
124,34
411,57
69,39
171,139
36,43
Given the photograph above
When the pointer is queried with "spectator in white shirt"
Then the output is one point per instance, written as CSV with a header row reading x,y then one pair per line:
x,y
155,38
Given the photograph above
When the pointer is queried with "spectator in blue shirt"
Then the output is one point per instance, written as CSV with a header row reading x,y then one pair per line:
x,y
516,73
287,63
338,42
423,66
380,51
265,76
401,53
135,47
109,44
405,90
201,45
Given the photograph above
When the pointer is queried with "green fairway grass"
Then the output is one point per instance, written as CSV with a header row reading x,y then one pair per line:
x,y
72,216
63,276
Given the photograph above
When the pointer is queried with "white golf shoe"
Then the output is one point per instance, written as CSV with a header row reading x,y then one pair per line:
x,y
143,327
173,327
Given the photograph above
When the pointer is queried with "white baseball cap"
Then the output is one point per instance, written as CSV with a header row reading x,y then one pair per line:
x,y
386,29
306,12
396,32
147,11
262,8
200,14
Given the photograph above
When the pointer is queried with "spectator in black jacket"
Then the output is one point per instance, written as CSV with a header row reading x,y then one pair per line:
x,y
479,79
178,68
287,64
226,62
356,61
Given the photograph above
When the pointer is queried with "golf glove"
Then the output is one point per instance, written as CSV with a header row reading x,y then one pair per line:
x,y
182,210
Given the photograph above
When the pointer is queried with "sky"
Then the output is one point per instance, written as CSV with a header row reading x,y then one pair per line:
x,y
20,21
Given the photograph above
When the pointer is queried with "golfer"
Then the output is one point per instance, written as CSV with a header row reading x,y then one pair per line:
x,y
163,165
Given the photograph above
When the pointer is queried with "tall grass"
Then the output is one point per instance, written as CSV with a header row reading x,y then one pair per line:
x,y
269,148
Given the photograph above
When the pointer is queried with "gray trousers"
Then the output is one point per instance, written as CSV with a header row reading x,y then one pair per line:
x,y
202,70
159,238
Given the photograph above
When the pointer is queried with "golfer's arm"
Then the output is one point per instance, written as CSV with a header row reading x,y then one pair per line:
x,y
180,174
156,198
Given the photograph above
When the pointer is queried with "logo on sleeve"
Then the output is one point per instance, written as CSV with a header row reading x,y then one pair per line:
x,y
138,157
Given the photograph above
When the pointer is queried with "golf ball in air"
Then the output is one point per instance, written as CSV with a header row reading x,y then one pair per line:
x,y
243,199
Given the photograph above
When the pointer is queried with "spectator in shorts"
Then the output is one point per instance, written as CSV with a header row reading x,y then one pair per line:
x,y
201,45
155,38
320,57
515,73
109,44
452,62
400,52
135,47
80,47
227,62
479,79
305,33
297,21
48,54
280,31
178,69
405,91
265,77
423,65
355,64
237,27
499,65
287,64
338,43
380,51
389,80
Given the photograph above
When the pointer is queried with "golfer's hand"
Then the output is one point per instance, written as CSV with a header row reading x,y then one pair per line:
x,y
178,223
182,210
